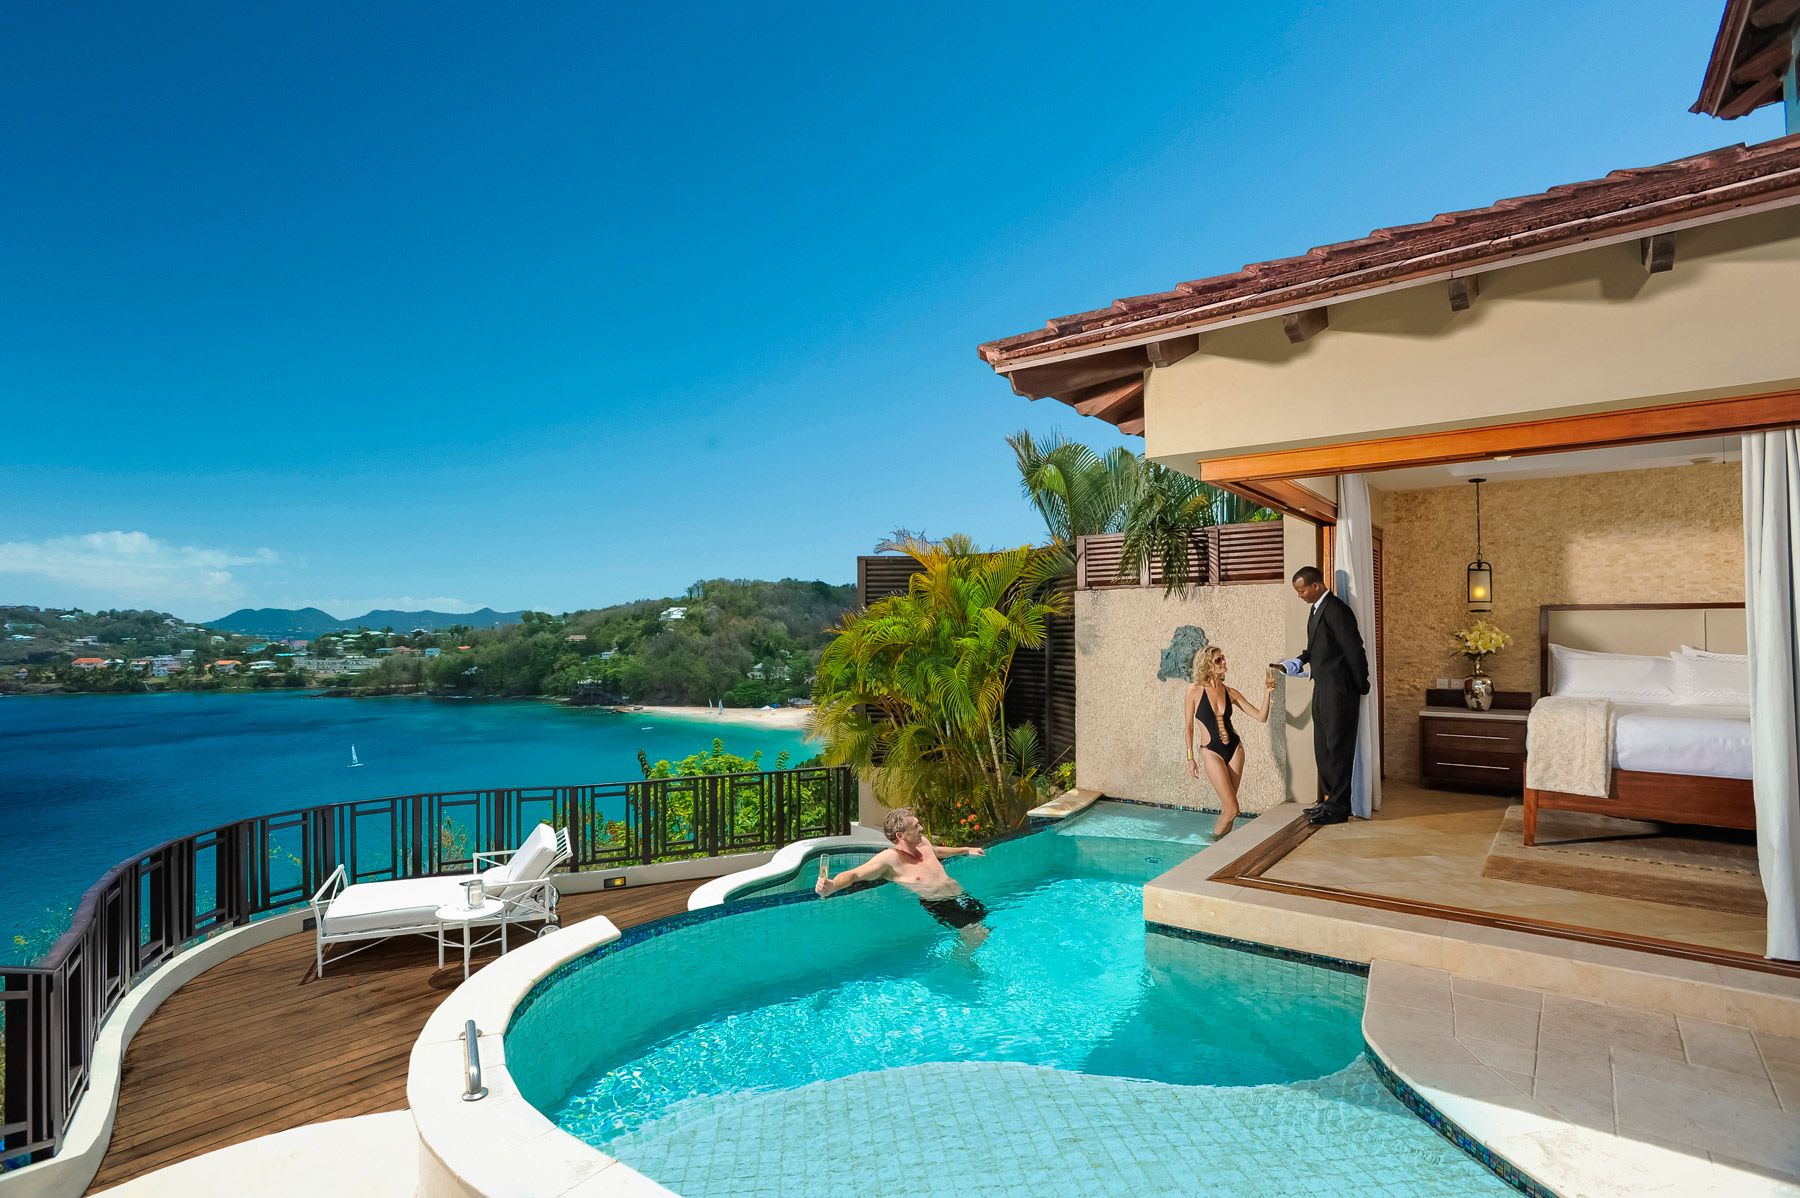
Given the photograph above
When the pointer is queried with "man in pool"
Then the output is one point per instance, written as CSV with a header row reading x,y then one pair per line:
x,y
917,864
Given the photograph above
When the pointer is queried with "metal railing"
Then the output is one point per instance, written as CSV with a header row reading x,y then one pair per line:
x,y
147,909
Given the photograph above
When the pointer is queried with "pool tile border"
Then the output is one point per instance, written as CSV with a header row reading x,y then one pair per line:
x,y
1452,1131
1257,948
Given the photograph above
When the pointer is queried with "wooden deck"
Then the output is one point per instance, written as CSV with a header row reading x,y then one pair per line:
x,y
260,1044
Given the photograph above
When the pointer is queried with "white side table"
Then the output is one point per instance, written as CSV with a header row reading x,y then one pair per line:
x,y
455,913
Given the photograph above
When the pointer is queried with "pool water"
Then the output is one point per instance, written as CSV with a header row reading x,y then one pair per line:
x,y
803,879
811,1046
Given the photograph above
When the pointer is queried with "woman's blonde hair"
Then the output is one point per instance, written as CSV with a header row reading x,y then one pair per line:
x,y
1206,665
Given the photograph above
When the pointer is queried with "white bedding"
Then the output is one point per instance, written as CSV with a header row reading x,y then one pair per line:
x,y
1713,742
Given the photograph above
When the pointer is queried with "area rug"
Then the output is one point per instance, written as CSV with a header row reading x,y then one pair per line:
x,y
1713,869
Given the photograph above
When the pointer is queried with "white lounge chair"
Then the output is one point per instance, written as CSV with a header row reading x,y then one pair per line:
x,y
519,880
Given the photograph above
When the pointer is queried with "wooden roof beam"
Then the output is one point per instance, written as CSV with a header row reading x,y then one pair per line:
x,y
1133,427
1108,401
1065,379
1752,98
1657,253
1463,291
1167,353
1303,326
1772,57
1771,13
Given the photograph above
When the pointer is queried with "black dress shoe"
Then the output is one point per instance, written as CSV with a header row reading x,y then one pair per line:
x,y
1326,815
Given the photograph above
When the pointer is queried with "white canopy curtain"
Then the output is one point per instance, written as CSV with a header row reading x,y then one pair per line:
x,y
1354,581
1772,606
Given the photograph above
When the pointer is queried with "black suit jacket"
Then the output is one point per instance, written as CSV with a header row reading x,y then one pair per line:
x,y
1334,647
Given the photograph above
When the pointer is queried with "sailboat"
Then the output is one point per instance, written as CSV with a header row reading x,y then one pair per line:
x,y
354,763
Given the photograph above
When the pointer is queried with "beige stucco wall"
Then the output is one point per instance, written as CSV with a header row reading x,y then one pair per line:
x,y
1635,536
1586,331
1129,726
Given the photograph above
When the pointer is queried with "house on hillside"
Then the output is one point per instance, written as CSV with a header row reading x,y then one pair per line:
x,y
674,613
88,663
226,665
1572,413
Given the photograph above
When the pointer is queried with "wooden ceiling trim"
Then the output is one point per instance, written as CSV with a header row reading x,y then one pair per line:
x,y
1598,430
1287,497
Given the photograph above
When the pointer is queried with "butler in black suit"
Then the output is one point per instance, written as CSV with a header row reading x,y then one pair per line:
x,y
1340,672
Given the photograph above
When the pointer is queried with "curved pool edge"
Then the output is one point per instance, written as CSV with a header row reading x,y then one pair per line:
x,y
786,859
502,1146
1537,1150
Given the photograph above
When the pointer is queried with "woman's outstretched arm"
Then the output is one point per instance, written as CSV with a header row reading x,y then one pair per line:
x,y
1259,714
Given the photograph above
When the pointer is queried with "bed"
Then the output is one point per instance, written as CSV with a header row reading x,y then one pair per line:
x,y
1681,764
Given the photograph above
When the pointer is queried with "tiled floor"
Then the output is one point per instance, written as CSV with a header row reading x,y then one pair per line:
x,y
1592,1097
1430,846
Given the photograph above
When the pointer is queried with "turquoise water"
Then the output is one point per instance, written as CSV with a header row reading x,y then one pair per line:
x,y
816,1046
88,780
806,876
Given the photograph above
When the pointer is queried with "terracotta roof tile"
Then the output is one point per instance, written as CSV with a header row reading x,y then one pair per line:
x,y
1625,201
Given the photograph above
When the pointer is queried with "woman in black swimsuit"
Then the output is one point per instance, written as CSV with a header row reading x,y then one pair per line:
x,y
1209,704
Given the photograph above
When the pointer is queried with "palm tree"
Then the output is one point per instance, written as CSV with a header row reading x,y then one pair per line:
x,y
1164,512
916,683
1077,491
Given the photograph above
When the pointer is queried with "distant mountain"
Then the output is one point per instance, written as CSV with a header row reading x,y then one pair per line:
x,y
311,622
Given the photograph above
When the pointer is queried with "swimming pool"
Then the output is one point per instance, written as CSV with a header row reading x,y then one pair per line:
x,y
799,1047
801,879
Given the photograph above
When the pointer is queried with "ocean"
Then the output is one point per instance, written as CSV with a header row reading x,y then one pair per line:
x,y
88,780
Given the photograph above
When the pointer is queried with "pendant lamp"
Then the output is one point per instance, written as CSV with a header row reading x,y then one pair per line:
x,y
1481,575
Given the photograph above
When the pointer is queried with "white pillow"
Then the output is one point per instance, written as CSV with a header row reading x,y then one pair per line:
x,y
1704,679
534,857
1621,677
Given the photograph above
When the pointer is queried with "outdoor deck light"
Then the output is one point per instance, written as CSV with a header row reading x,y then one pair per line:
x,y
1481,575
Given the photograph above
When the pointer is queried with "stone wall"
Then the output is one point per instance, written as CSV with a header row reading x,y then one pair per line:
x,y
1130,725
1631,536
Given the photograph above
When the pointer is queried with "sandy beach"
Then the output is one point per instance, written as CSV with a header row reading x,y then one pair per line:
x,y
797,718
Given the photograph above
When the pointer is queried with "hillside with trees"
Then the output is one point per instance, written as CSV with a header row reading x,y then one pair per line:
x,y
747,643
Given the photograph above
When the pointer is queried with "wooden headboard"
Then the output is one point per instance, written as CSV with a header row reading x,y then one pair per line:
x,y
1645,628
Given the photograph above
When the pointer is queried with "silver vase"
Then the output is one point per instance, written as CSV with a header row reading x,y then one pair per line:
x,y
1478,690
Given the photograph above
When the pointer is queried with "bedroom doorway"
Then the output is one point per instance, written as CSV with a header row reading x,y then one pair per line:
x,y
1621,535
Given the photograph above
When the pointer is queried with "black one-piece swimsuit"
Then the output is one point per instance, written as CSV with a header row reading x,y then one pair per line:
x,y
1223,744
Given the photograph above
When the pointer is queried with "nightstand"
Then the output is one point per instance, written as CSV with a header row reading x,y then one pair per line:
x,y
1474,750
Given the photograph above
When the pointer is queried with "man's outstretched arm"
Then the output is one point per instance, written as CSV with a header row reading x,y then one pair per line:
x,y
872,870
965,850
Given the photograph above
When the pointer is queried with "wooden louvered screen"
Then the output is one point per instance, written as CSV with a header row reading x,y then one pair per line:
x,y
1250,552
1098,560
1041,687
883,575
1221,555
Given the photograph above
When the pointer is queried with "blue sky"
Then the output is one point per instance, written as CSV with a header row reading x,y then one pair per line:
x,y
366,304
